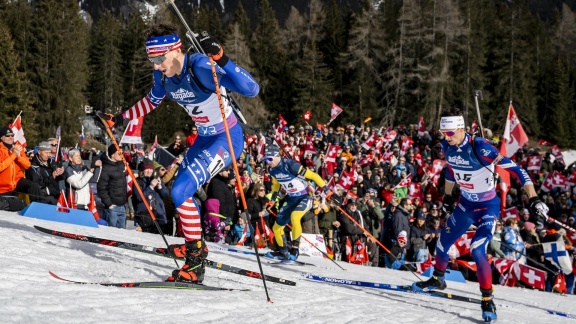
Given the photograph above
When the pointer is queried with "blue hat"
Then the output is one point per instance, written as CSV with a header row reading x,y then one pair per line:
x,y
285,128
272,150
420,215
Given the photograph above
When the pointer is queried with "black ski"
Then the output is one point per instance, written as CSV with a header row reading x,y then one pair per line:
x,y
162,252
149,284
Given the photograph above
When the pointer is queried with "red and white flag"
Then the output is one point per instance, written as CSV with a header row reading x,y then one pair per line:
x,y
415,190
557,153
366,160
405,182
421,126
548,183
390,135
244,236
334,112
348,249
309,147
534,162
473,127
62,200
346,180
544,143
514,134
92,207
261,148
369,142
418,159
571,180
406,144
558,180
133,132
560,284
436,169
349,195
511,212
462,244
307,115
332,153
16,127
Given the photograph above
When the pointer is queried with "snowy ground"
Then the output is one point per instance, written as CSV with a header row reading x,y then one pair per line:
x,y
29,295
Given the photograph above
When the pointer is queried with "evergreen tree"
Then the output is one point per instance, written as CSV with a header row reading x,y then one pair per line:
x,y
57,67
241,18
563,102
333,43
106,93
136,67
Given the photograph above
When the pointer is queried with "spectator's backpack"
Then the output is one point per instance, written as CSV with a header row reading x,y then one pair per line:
x,y
11,203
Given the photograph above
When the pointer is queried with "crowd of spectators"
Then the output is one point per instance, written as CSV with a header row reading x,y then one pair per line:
x,y
389,189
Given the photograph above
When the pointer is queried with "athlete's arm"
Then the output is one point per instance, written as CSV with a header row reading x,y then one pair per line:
x,y
148,103
230,76
311,175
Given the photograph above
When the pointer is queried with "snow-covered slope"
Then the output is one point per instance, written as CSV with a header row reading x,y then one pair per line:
x,y
29,295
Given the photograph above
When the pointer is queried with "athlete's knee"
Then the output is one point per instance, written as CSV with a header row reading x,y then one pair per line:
x,y
478,249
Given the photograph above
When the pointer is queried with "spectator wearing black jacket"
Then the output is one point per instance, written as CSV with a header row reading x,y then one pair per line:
x,y
257,208
401,219
112,187
46,174
349,229
219,189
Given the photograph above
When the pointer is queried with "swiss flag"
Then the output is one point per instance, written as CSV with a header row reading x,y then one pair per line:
x,y
348,249
62,200
514,134
544,143
369,142
421,126
128,184
422,267
436,169
16,127
332,153
467,264
349,195
334,112
418,159
533,277
261,148
307,115
414,190
572,237
557,153
366,159
133,132
560,284
511,212
473,127
360,256
153,148
462,244
571,180
390,134
309,147
405,182
548,183
282,122
243,238
534,163
346,180
558,180
405,144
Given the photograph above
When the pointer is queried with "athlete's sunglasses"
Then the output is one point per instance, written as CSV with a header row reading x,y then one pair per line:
x,y
449,133
268,159
160,58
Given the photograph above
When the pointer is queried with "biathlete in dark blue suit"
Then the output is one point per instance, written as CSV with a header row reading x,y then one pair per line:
x,y
187,79
470,164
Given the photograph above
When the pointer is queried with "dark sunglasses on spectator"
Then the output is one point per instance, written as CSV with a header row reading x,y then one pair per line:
x,y
54,144
9,135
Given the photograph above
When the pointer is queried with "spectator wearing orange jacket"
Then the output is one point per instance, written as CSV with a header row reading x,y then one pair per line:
x,y
13,161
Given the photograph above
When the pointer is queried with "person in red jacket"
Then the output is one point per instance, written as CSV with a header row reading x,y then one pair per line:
x,y
13,162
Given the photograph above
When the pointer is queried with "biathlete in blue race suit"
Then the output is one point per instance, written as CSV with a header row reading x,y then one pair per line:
x,y
188,80
470,164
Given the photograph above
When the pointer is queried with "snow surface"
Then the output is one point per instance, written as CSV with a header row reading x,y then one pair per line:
x,y
29,295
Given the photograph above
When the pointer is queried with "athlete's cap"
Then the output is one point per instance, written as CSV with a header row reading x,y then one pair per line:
x,y
272,150
452,122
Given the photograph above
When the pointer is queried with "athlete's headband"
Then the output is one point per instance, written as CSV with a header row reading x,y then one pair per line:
x,y
162,44
452,122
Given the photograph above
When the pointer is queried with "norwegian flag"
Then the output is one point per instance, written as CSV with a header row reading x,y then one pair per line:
x,y
332,153
421,126
390,134
548,183
514,134
153,148
309,146
415,190
405,182
559,180
92,207
557,153
369,142
544,143
334,112
462,244
534,162
348,248
473,127
366,160
405,145
307,115
511,212
16,127
62,200
571,180
133,132
418,159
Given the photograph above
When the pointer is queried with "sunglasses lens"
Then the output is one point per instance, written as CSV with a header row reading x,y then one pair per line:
x,y
268,159
157,59
449,133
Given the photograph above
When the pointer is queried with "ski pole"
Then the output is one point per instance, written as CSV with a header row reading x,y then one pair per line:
x,y
375,240
135,183
237,174
305,239
527,257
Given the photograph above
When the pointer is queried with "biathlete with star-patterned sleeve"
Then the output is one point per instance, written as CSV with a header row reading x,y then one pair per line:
x,y
470,164
187,79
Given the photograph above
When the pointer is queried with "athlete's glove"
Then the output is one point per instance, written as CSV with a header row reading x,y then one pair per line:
x,y
177,250
448,204
110,119
212,48
538,207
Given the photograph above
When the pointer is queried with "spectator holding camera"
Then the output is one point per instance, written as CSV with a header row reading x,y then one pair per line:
x,y
154,192
46,173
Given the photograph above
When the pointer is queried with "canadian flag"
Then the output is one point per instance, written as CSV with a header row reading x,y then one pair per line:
x,y
405,144
133,132
369,142
534,162
513,133
307,115
16,127
557,153
332,153
511,212
421,127
153,148
334,112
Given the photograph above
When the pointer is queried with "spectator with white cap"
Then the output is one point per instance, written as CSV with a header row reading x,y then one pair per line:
x,y
396,259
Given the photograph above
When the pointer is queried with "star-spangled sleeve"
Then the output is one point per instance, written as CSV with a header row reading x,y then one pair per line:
x,y
150,102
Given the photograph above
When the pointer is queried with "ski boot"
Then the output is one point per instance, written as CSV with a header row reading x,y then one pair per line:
x,y
435,282
276,255
295,249
488,306
194,267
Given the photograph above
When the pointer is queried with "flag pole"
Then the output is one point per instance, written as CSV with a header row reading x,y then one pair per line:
x,y
478,94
